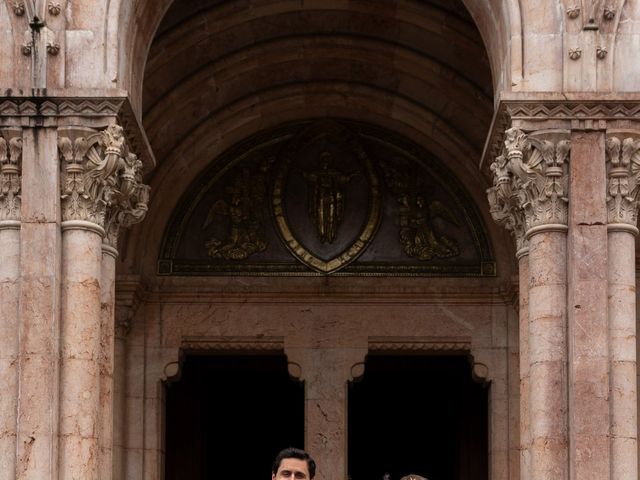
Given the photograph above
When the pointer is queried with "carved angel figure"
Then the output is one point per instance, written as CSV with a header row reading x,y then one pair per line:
x,y
418,233
244,208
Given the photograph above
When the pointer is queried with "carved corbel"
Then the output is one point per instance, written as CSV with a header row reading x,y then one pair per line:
x,y
530,182
623,179
10,174
101,179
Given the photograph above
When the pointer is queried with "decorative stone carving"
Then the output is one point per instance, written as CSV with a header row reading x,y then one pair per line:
x,y
54,8
19,8
530,183
10,179
53,48
101,179
601,52
609,13
573,12
575,53
244,208
623,174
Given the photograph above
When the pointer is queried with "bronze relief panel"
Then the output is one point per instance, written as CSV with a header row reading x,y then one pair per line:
x,y
326,197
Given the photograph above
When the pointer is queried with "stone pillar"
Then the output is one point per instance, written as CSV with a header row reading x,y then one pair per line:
x,y
37,449
107,359
10,184
622,207
587,309
523,312
530,195
101,191
119,397
326,373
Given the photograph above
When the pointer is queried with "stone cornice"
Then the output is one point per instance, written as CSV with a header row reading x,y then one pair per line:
x,y
536,111
95,109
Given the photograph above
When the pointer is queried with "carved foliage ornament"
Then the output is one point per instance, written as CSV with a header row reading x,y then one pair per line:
x,y
101,179
623,174
530,183
10,167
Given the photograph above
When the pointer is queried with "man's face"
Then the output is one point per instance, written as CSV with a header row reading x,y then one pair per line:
x,y
292,469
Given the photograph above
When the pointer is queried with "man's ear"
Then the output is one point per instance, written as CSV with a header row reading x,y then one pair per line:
x,y
273,476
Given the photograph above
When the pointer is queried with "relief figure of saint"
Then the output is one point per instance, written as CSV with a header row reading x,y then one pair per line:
x,y
327,197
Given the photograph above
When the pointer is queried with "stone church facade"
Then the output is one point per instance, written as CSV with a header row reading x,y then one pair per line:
x,y
331,183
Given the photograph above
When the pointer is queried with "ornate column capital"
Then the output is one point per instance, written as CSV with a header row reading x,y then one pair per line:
x,y
623,180
530,183
101,179
10,175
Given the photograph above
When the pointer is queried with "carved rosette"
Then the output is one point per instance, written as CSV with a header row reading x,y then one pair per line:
x,y
530,183
623,178
101,180
10,175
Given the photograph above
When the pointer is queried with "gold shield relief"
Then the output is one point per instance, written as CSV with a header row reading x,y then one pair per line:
x,y
327,167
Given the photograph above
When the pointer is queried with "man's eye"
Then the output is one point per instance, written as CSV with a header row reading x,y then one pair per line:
x,y
300,476
286,473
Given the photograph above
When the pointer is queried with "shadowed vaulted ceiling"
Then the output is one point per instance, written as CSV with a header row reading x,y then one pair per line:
x,y
218,68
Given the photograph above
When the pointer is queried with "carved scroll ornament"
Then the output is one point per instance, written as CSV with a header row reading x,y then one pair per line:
x,y
530,182
10,175
623,179
101,180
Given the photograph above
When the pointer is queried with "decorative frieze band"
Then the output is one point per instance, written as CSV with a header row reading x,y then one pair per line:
x,y
530,182
101,179
623,179
10,174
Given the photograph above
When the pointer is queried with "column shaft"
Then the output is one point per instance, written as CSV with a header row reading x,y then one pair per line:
x,y
119,404
587,309
547,355
9,311
622,348
523,318
39,308
107,333
80,421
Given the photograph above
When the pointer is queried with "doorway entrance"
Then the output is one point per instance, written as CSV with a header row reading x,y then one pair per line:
x,y
418,414
230,415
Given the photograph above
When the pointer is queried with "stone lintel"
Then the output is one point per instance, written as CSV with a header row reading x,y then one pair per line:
x,y
90,108
555,111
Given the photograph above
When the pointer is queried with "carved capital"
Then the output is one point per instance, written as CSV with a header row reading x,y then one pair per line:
x,y
101,179
623,175
10,173
530,182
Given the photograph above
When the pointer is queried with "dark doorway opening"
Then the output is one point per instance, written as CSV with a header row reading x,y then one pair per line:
x,y
230,415
418,414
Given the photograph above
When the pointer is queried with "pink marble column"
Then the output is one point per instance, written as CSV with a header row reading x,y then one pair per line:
x,y
548,353
107,334
326,373
587,309
9,311
119,398
38,361
525,421
622,348
80,420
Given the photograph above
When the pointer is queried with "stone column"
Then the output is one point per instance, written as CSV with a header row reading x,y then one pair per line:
x,y
623,158
107,359
588,359
326,373
101,190
523,313
10,184
38,362
530,195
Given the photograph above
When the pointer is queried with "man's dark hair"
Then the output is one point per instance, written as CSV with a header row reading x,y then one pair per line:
x,y
294,453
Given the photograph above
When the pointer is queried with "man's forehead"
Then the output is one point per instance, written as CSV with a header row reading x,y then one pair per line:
x,y
294,465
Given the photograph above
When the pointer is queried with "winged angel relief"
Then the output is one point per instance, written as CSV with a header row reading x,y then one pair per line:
x,y
243,207
417,214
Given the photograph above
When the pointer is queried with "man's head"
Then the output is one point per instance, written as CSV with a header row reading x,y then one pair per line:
x,y
293,464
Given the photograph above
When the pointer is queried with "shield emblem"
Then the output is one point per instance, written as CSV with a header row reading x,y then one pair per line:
x,y
326,197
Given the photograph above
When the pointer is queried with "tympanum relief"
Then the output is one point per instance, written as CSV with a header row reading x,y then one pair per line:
x,y
326,197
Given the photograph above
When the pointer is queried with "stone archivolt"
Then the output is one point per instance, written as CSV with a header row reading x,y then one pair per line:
x,y
623,179
530,183
10,175
101,180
